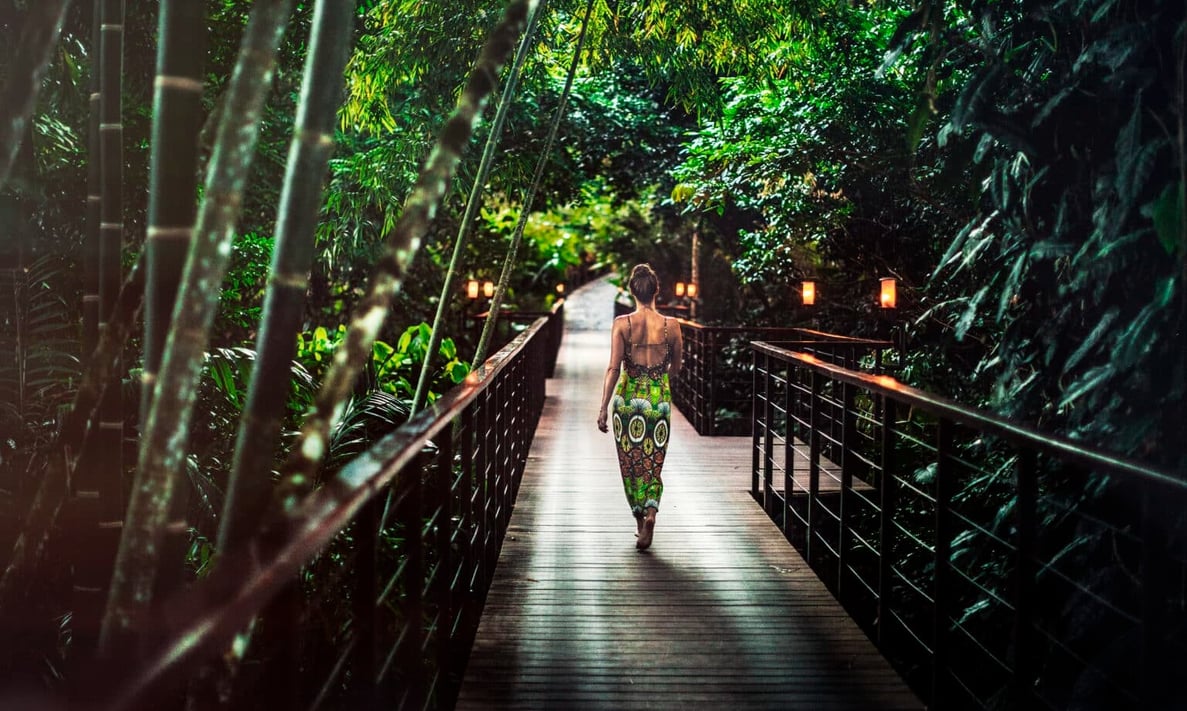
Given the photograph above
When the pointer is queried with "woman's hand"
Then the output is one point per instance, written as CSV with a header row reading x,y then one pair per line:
x,y
602,421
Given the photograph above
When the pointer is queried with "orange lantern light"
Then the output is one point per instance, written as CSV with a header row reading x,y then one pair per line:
x,y
808,292
889,294
472,289
488,289
679,288
692,290
560,288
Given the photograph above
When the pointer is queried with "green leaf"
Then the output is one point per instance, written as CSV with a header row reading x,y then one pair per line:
x,y
1167,213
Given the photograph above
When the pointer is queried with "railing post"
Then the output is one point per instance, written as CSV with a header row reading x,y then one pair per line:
x,y
469,522
711,410
847,463
886,519
768,447
443,581
790,402
411,659
814,444
942,592
754,432
484,484
1156,588
365,665
1024,578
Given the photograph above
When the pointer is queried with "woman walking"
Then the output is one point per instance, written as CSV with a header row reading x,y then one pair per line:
x,y
645,349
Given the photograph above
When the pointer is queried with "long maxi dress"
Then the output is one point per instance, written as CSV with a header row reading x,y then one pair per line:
x,y
642,408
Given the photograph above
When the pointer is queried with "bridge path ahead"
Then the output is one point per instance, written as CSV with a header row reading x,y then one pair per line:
x,y
721,612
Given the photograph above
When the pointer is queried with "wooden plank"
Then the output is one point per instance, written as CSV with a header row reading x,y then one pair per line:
x,y
720,612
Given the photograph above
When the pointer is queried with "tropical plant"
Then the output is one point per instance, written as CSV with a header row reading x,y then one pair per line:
x,y
38,373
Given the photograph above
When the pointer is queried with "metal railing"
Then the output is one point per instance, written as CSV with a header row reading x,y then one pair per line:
x,y
401,544
713,389
511,323
996,566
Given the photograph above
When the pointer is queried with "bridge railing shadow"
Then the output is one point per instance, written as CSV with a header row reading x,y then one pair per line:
x,y
402,542
995,565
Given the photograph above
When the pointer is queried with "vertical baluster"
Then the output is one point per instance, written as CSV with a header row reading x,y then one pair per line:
x,y
468,523
814,443
755,435
886,518
789,404
487,481
364,670
847,463
711,410
942,590
768,451
1156,587
1025,657
411,666
442,587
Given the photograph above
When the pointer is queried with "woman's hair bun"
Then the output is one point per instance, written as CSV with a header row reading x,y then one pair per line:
x,y
644,283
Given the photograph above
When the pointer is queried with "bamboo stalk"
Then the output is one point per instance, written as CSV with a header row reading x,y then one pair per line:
x,y
35,49
473,202
90,298
401,246
249,486
162,447
72,439
177,112
108,469
496,301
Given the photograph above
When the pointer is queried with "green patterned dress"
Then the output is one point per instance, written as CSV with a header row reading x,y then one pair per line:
x,y
642,408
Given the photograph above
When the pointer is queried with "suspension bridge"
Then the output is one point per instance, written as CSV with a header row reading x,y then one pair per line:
x,y
720,613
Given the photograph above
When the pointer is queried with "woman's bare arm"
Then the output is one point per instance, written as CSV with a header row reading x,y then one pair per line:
x,y
612,371
677,342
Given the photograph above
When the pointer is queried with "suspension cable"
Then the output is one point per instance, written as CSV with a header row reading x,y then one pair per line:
x,y
517,236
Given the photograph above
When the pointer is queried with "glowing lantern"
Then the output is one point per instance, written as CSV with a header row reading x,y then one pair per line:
x,y
560,288
472,289
488,289
692,291
889,298
679,288
808,291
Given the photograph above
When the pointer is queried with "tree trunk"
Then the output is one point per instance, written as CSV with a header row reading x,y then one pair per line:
x,y
496,301
473,202
401,246
163,444
177,109
250,486
39,37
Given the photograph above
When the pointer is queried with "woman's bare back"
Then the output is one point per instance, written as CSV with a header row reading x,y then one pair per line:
x,y
648,336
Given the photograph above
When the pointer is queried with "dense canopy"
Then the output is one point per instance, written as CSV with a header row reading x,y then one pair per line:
x,y
1020,167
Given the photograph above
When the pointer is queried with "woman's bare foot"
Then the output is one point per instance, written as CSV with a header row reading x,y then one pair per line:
x,y
647,531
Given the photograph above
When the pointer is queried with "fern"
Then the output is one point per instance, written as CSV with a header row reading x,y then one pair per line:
x,y
38,365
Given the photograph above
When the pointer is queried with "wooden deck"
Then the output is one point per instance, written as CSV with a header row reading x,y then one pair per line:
x,y
720,612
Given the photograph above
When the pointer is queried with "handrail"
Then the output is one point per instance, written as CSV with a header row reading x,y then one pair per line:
x,y
961,540
492,446
986,422
713,388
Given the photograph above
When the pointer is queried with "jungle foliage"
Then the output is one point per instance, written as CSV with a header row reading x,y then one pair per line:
x,y
1018,165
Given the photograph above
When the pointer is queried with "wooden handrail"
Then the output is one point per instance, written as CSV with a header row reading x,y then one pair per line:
x,y
202,621
986,422
961,539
